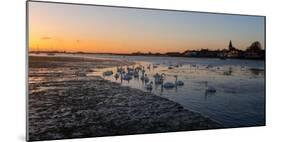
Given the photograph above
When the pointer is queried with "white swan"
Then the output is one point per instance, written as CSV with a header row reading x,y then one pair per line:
x,y
127,77
116,76
149,86
229,72
145,79
120,69
158,79
136,73
142,76
130,72
210,89
168,85
130,69
178,82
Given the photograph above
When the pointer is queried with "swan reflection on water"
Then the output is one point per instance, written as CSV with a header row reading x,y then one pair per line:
x,y
146,75
157,78
151,77
213,87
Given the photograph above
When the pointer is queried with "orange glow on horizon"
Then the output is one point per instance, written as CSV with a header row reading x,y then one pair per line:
x,y
74,28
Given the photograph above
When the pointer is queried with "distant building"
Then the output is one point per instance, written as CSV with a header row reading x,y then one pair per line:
x,y
230,47
255,51
223,53
233,52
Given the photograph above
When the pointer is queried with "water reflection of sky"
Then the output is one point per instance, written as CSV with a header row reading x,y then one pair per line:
x,y
239,96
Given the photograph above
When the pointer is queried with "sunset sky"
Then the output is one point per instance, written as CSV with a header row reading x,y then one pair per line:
x,y
65,27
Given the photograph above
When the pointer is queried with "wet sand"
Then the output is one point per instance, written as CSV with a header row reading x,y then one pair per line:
x,y
64,104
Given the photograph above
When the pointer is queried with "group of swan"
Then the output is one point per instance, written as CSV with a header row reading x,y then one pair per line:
x,y
159,79
175,66
149,86
144,76
130,72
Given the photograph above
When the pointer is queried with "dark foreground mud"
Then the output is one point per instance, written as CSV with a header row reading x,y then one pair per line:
x,y
64,105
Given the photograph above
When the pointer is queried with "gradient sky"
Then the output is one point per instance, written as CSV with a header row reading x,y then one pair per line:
x,y
65,27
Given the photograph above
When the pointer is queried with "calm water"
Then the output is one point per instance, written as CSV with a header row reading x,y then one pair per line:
x,y
239,97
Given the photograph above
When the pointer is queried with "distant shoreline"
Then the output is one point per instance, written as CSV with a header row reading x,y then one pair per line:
x,y
148,55
57,61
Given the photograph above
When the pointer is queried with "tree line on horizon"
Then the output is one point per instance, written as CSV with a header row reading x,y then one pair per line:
x,y
254,51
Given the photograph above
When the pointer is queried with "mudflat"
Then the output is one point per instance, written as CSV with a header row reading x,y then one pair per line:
x,y
65,101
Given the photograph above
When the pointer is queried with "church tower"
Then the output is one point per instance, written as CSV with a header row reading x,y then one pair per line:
x,y
230,47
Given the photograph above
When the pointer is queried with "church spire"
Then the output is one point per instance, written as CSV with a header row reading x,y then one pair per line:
x,y
230,47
